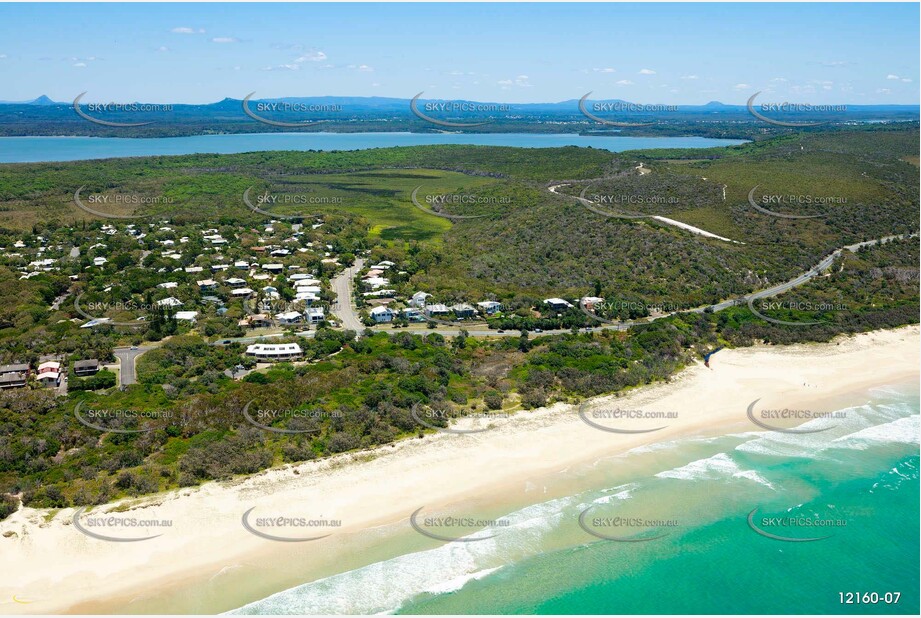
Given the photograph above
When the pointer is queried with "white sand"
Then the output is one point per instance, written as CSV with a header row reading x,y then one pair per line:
x,y
48,566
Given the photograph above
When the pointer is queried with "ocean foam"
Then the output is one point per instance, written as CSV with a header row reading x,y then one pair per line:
x,y
720,466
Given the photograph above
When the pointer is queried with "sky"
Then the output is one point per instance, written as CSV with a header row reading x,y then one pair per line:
x,y
677,53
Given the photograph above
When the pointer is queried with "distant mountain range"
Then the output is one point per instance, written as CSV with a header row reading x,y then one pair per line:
x,y
43,116
365,104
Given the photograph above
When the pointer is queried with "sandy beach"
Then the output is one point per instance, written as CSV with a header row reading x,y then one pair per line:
x,y
49,566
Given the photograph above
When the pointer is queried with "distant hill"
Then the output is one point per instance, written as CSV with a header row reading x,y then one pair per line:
x,y
42,100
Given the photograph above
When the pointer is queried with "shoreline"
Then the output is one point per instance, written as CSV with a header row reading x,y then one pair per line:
x,y
59,570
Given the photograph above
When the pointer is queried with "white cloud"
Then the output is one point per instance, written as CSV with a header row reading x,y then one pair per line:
x,y
742,87
225,39
647,72
163,48
364,68
689,77
779,79
2,56
624,82
604,70
80,64
521,81
187,30
883,91
312,56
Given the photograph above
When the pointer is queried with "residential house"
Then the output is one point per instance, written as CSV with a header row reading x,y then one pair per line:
x,y
413,314
436,309
274,352
86,367
315,315
558,304
382,314
463,310
14,376
418,299
490,307
289,317
49,373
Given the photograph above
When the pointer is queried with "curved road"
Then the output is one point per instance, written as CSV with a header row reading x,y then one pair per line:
x,y
342,285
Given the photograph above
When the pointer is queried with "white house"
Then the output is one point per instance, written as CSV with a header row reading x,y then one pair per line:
x,y
436,309
382,314
273,268
241,292
235,282
206,284
194,269
168,285
490,307
413,314
169,302
289,317
418,299
99,261
274,352
315,315
188,316
463,310
376,282
590,301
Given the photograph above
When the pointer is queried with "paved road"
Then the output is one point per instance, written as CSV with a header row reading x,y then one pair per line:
x,y
813,272
308,334
127,358
344,308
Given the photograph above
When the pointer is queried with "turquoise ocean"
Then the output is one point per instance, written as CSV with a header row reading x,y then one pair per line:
x,y
683,508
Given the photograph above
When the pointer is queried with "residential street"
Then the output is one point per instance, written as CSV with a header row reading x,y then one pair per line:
x,y
127,359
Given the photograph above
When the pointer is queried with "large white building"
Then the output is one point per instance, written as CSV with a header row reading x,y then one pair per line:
x,y
274,351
